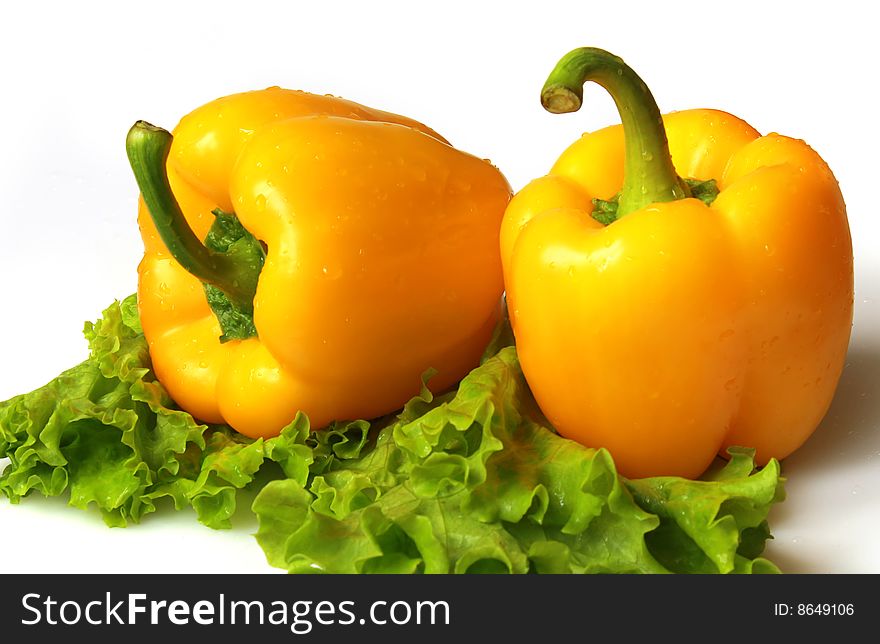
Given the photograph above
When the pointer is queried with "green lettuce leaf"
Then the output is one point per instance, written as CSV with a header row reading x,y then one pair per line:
x,y
473,480
475,483
107,433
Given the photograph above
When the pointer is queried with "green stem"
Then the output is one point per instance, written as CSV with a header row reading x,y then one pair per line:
x,y
648,174
147,147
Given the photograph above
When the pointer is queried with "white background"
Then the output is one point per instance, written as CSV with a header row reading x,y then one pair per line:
x,y
75,76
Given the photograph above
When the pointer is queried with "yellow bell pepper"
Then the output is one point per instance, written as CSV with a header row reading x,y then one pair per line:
x,y
349,251
661,327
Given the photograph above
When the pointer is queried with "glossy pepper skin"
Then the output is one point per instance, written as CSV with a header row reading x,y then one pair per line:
x,y
381,260
678,329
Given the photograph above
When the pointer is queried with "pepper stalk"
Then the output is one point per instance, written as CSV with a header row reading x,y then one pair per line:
x,y
233,271
649,176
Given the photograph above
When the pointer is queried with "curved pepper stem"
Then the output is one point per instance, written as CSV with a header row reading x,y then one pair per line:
x,y
147,147
648,174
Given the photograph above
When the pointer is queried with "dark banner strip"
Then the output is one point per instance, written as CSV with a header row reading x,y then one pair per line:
x,y
392,608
